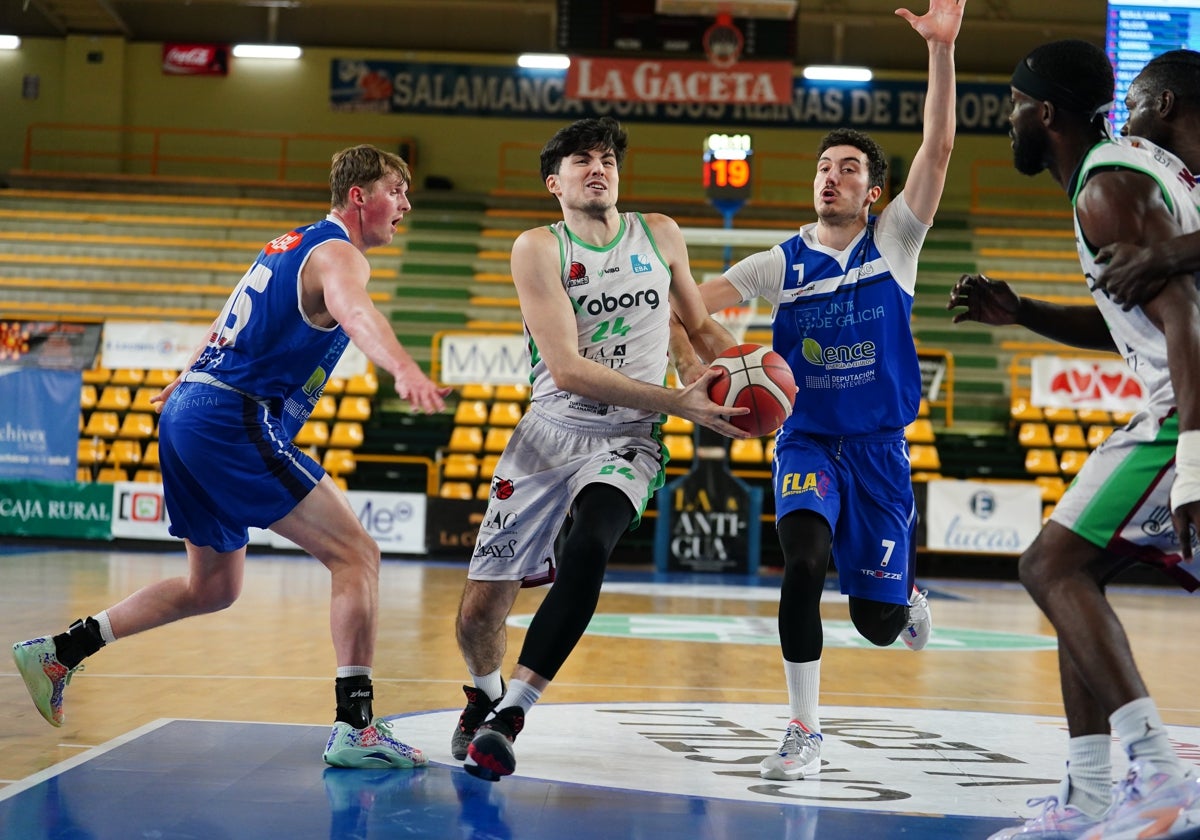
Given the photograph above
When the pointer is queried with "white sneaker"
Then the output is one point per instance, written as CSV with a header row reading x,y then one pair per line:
x,y
799,755
920,623
1057,820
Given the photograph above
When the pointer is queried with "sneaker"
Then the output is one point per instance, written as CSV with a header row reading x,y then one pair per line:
x,y
920,623
44,675
374,746
1057,820
478,708
799,755
1152,805
490,754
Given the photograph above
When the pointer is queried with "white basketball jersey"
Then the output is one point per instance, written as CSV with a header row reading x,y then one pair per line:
x,y
622,314
1137,338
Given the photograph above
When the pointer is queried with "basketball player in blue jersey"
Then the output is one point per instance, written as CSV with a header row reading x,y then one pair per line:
x,y
228,461
1114,513
841,293
596,290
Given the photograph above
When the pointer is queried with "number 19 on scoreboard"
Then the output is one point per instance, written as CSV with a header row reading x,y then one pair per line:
x,y
726,174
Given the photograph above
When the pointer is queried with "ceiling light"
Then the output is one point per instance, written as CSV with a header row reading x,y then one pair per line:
x,y
9,42
834,73
266,51
543,61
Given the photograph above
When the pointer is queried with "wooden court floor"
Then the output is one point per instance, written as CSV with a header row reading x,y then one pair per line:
x,y
268,659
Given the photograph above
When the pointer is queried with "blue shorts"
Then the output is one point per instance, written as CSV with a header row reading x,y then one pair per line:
x,y
862,485
226,465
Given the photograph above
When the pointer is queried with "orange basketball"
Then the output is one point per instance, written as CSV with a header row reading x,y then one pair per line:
x,y
757,378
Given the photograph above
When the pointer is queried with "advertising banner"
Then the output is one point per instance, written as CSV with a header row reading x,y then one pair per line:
x,y
48,344
151,345
55,509
971,516
39,423
467,90
1107,384
467,358
195,59
655,80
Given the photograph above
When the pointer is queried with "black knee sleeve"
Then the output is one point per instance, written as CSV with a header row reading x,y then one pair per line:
x,y
601,515
877,622
805,539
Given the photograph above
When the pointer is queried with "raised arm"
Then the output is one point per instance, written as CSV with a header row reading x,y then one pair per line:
x,y
927,175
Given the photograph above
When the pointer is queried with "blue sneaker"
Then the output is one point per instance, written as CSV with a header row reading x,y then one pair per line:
x,y
1152,805
1057,820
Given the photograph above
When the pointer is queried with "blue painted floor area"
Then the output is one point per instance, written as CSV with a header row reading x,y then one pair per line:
x,y
205,780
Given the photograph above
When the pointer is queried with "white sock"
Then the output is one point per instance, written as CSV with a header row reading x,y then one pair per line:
x,y
519,693
353,671
490,684
106,632
1144,736
1089,773
804,688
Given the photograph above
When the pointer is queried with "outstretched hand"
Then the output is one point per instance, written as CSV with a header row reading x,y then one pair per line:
x,y
940,24
695,405
1133,274
986,301
422,393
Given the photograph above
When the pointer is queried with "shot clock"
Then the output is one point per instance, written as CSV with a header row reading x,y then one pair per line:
x,y
727,173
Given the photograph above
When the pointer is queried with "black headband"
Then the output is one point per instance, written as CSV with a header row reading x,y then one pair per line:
x,y
1031,83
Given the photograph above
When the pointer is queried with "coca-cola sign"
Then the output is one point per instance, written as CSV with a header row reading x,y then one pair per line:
x,y
195,59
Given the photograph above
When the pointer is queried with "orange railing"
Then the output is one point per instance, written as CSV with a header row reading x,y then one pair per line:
x,y
182,153
999,190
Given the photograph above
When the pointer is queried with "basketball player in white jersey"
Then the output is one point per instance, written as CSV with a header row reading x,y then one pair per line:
x,y
597,290
1146,476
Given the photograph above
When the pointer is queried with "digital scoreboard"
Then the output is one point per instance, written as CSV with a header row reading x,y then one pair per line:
x,y
726,173
1138,30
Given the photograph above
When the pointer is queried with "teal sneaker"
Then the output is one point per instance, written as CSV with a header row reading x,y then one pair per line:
x,y
373,747
44,676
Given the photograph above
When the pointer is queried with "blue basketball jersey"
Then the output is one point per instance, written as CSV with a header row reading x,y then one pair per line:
x,y
263,345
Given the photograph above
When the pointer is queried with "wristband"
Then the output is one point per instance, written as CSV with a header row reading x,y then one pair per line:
x,y
1187,470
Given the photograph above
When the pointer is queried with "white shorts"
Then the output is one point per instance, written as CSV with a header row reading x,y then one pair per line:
x,y
544,466
1120,500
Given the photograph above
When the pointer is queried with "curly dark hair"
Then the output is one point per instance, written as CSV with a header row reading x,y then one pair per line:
x,y
877,165
585,135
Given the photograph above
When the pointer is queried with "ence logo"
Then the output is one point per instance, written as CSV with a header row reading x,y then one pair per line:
x,y
838,357
763,630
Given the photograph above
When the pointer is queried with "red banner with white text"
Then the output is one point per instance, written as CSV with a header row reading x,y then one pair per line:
x,y
655,80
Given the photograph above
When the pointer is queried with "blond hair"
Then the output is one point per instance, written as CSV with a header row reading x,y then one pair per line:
x,y
362,166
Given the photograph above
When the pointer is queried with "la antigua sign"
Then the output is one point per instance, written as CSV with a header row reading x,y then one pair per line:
x,y
650,80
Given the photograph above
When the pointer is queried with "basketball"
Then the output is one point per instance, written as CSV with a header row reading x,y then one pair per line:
x,y
758,378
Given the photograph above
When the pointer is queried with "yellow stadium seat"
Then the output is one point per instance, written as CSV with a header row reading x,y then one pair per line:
x,y
497,438
1046,511
87,397
1092,416
83,475
477,391
924,458
487,466
471,413
677,426
137,426
459,466
455,490
747,452
483,490
91,451
919,431
1041,462
129,377
1069,436
338,461
1022,411
102,424
150,456
512,393
362,385
924,475
354,408
108,475
1034,435
114,398
504,413
465,439
769,450
325,409
679,447
335,386
340,482
923,408
148,476
96,376
1122,418
141,399
124,453
346,434
159,378
312,433
1052,487
1096,435
1072,461
1060,415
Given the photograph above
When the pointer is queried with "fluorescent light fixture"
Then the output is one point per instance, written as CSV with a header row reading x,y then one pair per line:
x,y
9,42
834,73
266,51
544,61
